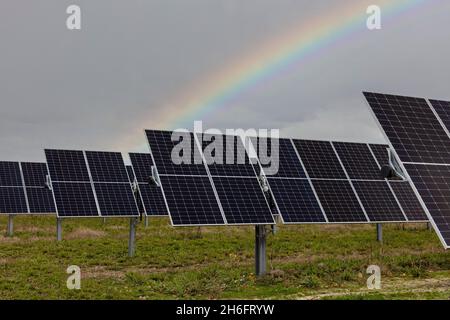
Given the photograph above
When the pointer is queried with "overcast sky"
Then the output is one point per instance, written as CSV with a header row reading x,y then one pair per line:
x,y
89,89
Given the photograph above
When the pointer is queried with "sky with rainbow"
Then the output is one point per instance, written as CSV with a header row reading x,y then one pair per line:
x,y
295,65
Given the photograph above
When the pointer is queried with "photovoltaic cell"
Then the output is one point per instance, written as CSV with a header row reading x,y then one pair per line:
x,y
142,165
319,159
412,128
186,158
243,201
339,201
191,200
358,161
442,108
408,200
433,184
296,200
378,201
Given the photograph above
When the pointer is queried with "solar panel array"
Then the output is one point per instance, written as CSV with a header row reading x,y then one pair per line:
x,y
340,182
200,186
316,182
23,189
418,133
90,184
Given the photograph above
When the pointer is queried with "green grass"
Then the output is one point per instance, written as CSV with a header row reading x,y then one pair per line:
x,y
313,262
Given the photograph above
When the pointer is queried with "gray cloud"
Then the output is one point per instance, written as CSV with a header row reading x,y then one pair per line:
x,y
90,88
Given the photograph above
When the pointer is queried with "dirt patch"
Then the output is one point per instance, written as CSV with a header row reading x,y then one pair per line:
x,y
85,233
4,239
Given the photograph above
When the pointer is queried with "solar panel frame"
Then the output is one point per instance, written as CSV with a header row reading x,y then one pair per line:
x,y
13,196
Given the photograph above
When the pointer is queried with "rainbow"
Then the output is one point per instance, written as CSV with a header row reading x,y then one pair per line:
x,y
268,61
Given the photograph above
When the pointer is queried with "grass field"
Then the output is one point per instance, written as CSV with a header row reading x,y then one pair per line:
x,y
305,262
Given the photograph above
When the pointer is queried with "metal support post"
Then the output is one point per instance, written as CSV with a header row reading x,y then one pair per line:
x,y
58,229
132,238
10,225
379,232
260,250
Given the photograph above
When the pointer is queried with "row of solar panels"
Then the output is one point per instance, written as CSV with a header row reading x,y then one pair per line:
x,y
317,182
418,132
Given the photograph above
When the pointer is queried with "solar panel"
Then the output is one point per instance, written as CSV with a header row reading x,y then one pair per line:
x,y
319,159
443,110
107,167
10,174
339,201
408,201
422,144
34,174
381,153
288,164
12,200
67,165
358,160
74,199
226,155
116,199
40,200
242,200
12,194
150,194
187,161
90,184
378,201
191,200
112,186
410,125
433,184
296,200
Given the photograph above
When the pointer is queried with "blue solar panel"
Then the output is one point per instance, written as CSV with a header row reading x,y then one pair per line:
x,y
34,174
226,156
319,159
408,201
412,128
433,184
12,200
339,201
378,201
130,173
67,165
40,200
10,174
296,200
358,160
107,166
243,201
116,199
180,157
191,200
75,199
